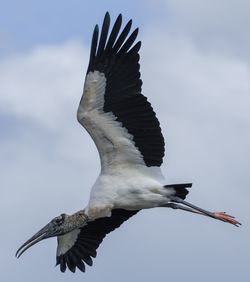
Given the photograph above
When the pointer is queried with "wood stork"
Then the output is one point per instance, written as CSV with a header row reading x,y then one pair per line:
x,y
129,140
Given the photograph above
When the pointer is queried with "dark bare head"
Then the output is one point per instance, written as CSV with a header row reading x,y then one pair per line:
x,y
59,225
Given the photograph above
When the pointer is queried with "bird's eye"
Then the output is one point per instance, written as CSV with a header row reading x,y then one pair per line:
x,y
59,220
63,216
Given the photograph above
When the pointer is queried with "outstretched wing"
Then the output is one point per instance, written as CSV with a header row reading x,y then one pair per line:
x,y
112,109
85,241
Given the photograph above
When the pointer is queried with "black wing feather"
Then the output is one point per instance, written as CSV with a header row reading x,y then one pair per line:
x,y
93,48
114,32
104,34
122,37
129,42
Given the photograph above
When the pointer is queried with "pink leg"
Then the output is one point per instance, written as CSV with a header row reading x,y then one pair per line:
x,y
226,218
217,215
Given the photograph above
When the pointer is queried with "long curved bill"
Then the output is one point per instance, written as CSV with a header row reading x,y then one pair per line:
x,y
42,234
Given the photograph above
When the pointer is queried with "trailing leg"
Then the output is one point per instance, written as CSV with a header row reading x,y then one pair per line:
x,y
192,208
180,207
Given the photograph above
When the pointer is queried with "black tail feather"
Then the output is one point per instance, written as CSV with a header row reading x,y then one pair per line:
x,y
180,189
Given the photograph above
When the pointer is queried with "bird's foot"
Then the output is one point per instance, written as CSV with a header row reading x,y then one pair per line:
x,y
226,218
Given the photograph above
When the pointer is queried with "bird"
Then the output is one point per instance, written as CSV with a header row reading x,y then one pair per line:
x,y
128,137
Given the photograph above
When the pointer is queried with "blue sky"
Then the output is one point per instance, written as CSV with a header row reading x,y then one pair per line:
x,y
27,24
195,67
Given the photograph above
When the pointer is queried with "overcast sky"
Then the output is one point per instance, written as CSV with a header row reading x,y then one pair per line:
x,y
195,67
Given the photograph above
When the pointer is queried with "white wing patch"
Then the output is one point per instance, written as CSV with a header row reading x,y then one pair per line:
x,y
66,242
114,143
93,93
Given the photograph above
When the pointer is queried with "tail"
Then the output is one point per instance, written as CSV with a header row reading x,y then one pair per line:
x,y
180,189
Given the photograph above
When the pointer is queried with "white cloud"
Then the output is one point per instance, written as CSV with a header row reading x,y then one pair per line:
x,y
216,83
44,83
218,26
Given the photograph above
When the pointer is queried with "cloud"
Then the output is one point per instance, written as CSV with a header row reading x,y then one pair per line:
x,y
41,83
217,26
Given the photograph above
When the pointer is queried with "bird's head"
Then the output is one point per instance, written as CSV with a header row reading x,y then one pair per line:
x,y
59,225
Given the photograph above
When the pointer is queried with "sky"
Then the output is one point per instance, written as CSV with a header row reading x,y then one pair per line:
x,y
195,66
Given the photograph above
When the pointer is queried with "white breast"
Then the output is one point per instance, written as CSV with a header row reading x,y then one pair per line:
x,y
130,187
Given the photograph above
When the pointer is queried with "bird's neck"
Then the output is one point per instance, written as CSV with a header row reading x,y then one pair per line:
x,y
76,220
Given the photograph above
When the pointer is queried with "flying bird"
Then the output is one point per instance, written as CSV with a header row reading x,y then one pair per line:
x,y
128,137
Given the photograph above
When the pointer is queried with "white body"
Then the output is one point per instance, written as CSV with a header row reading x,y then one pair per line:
x,y
127,187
